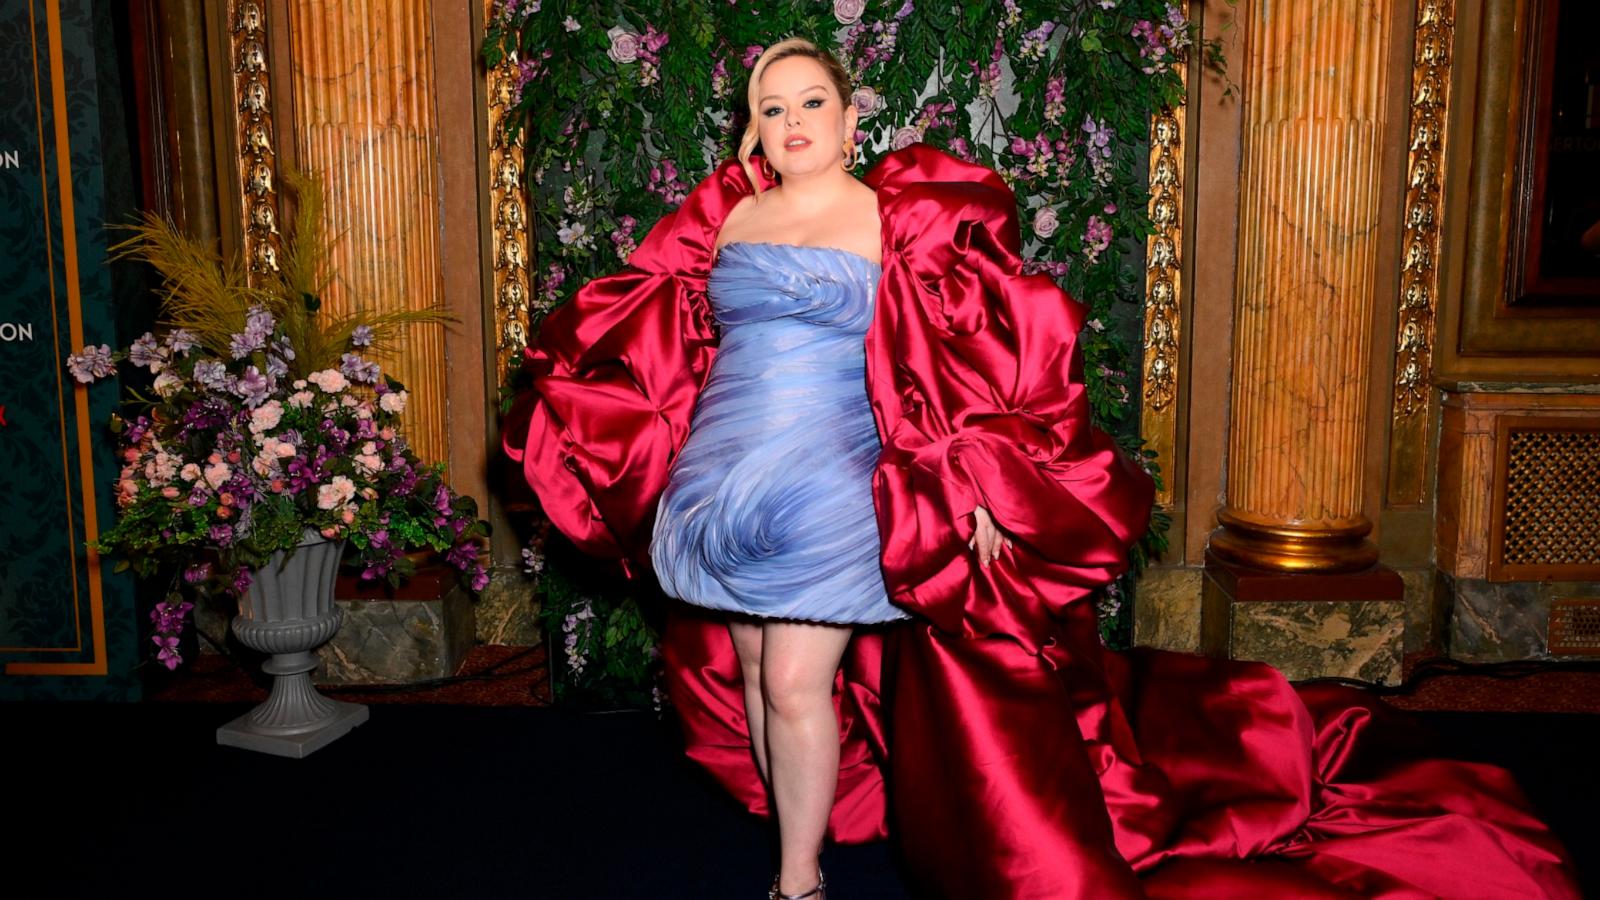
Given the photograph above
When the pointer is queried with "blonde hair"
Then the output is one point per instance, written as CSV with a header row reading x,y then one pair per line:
x,y
783,50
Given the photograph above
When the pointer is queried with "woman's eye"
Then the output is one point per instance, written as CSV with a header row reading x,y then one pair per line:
x,y
771,111
814,103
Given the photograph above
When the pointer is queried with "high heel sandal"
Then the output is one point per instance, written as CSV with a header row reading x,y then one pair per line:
x,y
820,892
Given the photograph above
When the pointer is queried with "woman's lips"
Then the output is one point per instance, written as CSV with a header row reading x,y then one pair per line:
x,y
796,143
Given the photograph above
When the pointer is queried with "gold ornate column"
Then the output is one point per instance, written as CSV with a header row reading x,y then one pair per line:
x,y
1314,120
363,88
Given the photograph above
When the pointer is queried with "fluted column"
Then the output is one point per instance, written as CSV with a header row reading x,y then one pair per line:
x,y
1314,119
363,90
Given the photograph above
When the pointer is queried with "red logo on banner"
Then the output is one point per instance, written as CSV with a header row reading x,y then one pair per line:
x,y
3,416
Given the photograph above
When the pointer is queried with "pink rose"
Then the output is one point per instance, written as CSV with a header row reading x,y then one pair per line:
x,y
866,101
169,492
848,12
624,45
1045,222
905,137
335,493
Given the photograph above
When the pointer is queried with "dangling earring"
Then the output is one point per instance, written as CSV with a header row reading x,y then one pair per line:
x,y
766,169
849,155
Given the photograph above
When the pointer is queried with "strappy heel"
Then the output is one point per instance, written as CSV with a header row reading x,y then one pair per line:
x,y
820,892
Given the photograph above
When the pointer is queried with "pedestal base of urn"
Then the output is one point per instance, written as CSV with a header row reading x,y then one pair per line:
x,y
243,734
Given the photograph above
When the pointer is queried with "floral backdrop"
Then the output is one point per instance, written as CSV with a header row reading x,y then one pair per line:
x,y
625,106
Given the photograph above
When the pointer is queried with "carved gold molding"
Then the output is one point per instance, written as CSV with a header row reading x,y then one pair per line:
x,y
509,204
1163,286
1420,237
1430,94
247,25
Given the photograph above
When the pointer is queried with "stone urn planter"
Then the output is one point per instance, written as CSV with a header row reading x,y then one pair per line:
x,y
289,612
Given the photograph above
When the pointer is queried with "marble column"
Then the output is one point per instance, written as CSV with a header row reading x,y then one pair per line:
x,y
363,91
1315,80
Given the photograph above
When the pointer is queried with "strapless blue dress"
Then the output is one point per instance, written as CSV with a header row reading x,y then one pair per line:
x,y
768,507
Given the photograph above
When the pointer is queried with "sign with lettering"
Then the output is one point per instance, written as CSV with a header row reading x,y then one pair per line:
x,y
67,624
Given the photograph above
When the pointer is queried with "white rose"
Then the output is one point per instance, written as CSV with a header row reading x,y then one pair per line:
x,y
848,12
1045,222
866,101
394,403
624,45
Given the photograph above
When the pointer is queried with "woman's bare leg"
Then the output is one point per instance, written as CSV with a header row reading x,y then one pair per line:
x,y
747,643
798,664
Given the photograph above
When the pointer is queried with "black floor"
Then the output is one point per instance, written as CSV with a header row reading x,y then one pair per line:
x,y
113,801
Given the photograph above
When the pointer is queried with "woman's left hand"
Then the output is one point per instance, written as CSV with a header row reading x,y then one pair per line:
x,y
986,537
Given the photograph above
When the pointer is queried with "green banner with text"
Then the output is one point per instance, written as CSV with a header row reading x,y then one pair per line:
x,y
67,621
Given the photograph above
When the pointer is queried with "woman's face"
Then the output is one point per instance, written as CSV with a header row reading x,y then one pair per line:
x,y
801,118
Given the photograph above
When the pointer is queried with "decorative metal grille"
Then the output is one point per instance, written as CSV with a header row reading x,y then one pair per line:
x,y
1552,498
1575,627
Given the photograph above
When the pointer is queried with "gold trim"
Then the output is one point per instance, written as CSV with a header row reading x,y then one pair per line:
x,y
80,394
258,162
1419,281
1163,313
1419,254
509,204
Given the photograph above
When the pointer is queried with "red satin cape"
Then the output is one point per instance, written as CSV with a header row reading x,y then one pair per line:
x,y
1024,761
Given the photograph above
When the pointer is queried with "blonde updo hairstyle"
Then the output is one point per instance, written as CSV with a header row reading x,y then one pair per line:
x,y
783,50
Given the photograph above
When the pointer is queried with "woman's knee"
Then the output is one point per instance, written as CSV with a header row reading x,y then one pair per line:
x,y
796,688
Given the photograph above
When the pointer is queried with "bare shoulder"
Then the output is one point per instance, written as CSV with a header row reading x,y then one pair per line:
x,y
735,226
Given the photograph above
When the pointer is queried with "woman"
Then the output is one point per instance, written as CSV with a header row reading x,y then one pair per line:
x,y
1024,761
768,511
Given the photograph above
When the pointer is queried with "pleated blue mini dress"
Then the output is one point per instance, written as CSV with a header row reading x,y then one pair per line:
x,y
768,507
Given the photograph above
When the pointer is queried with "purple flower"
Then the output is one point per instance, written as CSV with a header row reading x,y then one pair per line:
x,y
93,363
358,370
138,429
361,336
222,535
441,499
168,656
168,617
252,387
480,578
211,373
197,573
146,352
181,340
463,555
241,581
751,54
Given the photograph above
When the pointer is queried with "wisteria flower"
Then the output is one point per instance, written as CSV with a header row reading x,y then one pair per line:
x,y
181,341
1096,238
358,369
570,24
145,351
751,54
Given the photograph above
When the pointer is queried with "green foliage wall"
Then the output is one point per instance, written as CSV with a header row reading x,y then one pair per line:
x,y
626,106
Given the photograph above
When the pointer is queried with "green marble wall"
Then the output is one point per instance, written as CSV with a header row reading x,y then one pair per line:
x,y
67,622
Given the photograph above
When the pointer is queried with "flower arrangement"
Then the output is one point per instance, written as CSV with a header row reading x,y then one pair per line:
x,y
1055,96
267,418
